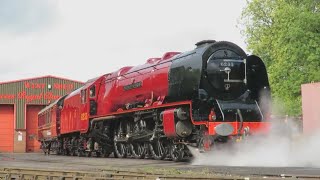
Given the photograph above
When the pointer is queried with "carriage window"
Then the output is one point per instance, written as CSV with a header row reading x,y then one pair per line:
x,y
93,91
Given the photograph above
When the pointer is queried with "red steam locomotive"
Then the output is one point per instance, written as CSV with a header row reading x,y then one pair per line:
x,y
214,93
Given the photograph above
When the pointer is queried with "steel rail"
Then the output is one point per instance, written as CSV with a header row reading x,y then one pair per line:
x,y
37,174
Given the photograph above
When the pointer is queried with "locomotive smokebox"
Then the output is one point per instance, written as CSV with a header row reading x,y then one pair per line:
x,y
225,74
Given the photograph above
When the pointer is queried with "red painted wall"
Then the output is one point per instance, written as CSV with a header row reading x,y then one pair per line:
x,y
311,107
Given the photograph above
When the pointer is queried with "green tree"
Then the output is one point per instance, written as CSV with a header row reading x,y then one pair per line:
x,y
286,35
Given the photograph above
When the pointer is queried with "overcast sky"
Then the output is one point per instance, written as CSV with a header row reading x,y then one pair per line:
x,y
83,39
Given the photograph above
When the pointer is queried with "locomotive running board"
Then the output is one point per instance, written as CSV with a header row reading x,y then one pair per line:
x,y
114,115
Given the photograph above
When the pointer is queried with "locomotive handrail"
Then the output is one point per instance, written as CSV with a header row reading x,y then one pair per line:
x,y
262,117
220,109
245,71
241,120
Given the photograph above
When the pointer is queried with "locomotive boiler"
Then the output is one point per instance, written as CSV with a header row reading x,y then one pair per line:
x,y
214,93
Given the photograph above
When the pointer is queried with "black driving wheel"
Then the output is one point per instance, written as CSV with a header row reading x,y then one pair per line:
x,y
139,149
120,150
159,149
120,147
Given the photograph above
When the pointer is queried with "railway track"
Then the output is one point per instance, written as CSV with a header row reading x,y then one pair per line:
x,y
36,174
37,166
41,174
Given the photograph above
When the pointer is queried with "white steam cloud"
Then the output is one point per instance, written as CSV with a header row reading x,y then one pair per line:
x,y
283,147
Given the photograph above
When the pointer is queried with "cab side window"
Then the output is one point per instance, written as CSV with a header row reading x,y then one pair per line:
x,y
92,91
83,96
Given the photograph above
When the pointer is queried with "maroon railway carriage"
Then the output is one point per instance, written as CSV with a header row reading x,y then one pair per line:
x,y
207,95
49,124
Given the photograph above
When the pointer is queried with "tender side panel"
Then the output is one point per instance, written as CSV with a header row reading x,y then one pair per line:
x,y
70,114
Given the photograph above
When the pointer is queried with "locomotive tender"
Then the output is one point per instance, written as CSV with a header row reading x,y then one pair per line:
x,y
212,94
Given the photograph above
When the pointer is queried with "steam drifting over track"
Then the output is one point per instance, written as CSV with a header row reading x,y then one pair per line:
x,y
131,168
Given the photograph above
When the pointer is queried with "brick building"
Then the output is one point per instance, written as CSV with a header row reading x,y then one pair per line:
x,y
20,102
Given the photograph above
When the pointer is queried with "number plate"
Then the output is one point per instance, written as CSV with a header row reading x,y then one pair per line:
x,y
226,64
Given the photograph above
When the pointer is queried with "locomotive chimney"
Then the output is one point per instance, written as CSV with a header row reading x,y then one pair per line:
x,y
200,43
